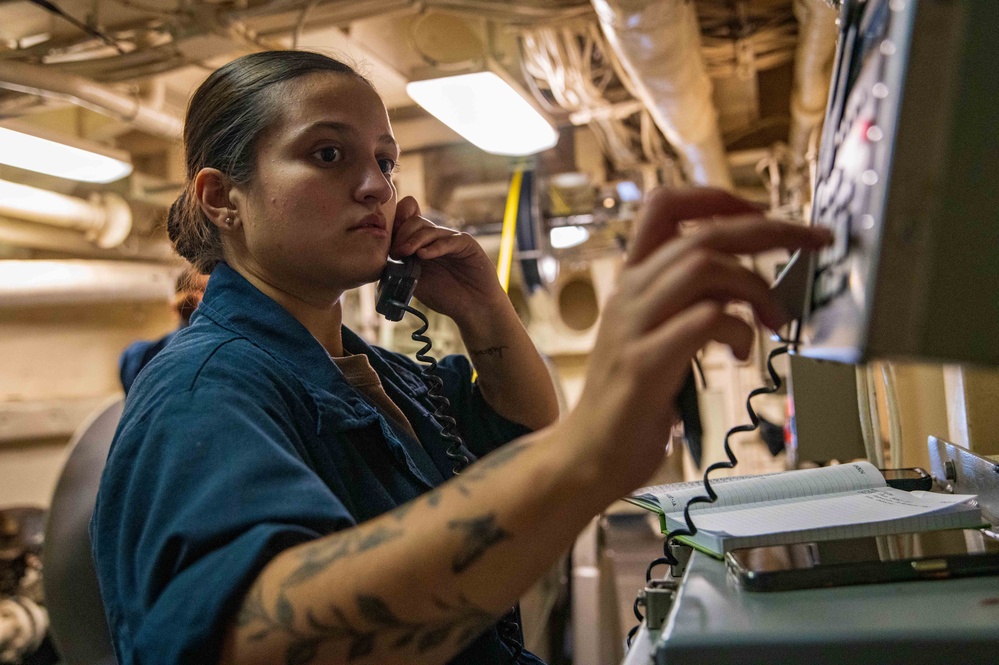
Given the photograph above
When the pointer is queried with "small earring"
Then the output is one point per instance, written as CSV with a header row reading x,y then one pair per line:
x,y
228,221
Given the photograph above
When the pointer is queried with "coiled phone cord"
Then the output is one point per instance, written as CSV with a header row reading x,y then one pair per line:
x,y
442,406
508,628
710,495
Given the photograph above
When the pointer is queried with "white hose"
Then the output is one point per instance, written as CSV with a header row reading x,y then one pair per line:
x,y
894,416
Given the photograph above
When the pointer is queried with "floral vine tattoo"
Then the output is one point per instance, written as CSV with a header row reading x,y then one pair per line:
x,y
322,553
376,623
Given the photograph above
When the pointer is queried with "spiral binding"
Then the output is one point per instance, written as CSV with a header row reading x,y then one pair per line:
x,y
508,628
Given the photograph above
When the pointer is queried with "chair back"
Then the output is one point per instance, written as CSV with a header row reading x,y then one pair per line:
x,y
72,597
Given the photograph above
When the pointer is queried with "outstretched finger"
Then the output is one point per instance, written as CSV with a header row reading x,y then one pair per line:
x,y
739,236
701,275
665,208
752,234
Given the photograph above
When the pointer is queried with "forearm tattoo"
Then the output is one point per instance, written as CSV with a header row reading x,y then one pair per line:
x,y
375,625
321,554
481,533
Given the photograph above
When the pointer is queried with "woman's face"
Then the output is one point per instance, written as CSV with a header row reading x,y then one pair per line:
x,y
317,216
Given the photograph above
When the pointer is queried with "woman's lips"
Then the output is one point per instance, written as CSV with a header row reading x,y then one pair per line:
x,y
374,224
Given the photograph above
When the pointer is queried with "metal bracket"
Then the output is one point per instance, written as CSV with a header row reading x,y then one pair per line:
x,y
682,554
960,471
657,599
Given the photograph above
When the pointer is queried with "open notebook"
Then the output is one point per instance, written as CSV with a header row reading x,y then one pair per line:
x,y
845,501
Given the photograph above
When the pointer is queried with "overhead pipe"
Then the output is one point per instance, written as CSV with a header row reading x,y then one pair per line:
x,y
105,219
659,46
28,235
44,81
813,63
81,282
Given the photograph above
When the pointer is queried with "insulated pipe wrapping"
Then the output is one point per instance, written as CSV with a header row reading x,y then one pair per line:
x,y
813,62
659,46
19,233
106,219
80,282
42,81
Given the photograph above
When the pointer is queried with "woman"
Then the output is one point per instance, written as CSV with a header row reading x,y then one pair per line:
x,y
278,492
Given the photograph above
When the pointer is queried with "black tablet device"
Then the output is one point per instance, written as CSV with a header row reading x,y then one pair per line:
x,y
908,556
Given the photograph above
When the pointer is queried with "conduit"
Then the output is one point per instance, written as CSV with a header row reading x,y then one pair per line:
x,y
81,282
659,46
105,219
37,80
509,234
813,62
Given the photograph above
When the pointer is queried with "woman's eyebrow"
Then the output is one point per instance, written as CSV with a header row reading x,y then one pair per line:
x,y
346,128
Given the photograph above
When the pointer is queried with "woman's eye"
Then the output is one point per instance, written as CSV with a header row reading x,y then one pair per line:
x,y
328,155
388,166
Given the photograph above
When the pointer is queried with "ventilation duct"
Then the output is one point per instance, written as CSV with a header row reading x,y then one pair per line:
x,y
813,63
659,46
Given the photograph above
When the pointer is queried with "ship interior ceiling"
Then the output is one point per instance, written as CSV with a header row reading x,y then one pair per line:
x,y
642,93
737,107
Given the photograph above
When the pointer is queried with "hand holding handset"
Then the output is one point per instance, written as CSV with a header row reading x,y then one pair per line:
x,y
395,290
396,287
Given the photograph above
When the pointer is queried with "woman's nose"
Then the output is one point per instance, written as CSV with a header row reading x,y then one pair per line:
x,y
374,184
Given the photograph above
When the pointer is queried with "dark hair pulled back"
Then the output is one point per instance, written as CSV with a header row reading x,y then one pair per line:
x,y
225,117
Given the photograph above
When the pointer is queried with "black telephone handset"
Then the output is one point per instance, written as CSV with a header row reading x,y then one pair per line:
x,y
396,286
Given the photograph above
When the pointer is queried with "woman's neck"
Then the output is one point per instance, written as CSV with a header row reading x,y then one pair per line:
x,y
321,315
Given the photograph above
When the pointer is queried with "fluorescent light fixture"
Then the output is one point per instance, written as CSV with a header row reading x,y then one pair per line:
x,y
563,237
36,150
487,111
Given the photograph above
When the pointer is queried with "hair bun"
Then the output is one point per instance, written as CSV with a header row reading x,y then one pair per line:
x,y
175,216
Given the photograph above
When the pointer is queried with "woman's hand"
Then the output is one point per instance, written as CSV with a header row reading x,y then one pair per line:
x,y
457,279
670,301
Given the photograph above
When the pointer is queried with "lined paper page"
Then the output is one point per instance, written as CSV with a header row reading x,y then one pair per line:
x,y
837,510
773,487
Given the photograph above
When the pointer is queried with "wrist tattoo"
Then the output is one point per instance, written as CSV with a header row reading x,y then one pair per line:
x,y
491,351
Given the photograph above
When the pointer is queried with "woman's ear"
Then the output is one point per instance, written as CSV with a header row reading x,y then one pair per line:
x,y
211,186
